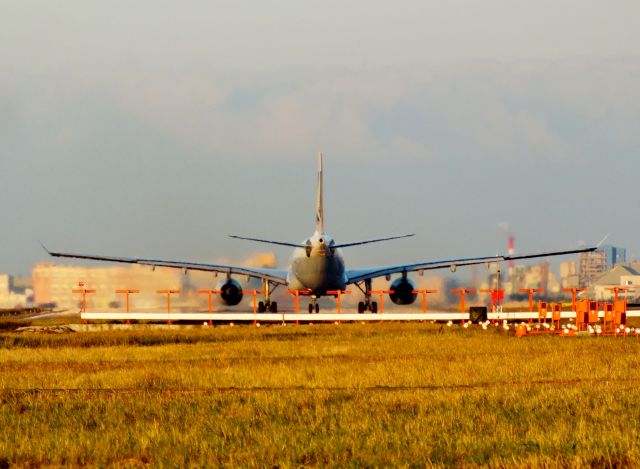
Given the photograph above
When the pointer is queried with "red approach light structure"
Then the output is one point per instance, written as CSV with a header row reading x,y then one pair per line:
x,y
126,294
424,294
84,292
168,293
617,290
339,294
497,295
210,294
574,291
255,294
531,291
381,293
296,294
463,293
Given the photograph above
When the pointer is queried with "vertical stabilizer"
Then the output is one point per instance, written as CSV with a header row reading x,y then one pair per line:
x,y
319,207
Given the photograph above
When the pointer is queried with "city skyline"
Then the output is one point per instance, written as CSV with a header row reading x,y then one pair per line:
x,y
157,135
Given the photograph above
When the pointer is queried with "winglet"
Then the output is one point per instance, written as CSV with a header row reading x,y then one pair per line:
x,y
602,240
44,247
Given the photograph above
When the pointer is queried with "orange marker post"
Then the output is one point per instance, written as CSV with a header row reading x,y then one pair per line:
x,y
84,292
168,293
296,298
127,293
381,293
573,291
254,293
556,314
463,293
620,312
424,294
210,293
339,294
296,294
617,290
609,317
531,291
543,309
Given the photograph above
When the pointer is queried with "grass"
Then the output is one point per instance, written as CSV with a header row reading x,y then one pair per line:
x,y
326,395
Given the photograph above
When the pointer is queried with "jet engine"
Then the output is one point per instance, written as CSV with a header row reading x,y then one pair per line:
x,y
230,291
403,291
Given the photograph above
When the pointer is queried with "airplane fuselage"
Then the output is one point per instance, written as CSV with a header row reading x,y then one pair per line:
x,y
318,268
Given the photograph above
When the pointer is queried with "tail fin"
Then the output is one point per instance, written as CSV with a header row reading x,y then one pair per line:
x,y
319,206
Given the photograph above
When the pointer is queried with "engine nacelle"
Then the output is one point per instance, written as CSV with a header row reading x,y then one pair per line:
x,y
230,291
403,291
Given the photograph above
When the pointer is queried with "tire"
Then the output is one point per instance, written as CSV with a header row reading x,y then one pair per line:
x,y
361,307
310,308
273,307
261,307
374,307
317,308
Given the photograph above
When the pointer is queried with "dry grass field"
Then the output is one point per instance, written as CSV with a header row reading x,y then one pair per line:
x,y
407,395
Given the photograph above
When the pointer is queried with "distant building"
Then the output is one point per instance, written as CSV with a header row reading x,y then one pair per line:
x,y
569,277
621,275
4,287
12,296
592,265
53,285
595,264
530,276
21,284
614,255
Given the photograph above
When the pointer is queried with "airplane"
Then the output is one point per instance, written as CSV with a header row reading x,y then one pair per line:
x,y
317,267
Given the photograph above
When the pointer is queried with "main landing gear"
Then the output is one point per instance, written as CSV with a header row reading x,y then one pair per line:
x,y
267,305
367,304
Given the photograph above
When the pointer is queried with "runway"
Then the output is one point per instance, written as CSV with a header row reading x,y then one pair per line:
x,y
320,317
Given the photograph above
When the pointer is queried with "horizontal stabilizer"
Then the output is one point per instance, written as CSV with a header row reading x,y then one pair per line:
x,y
358,243
280,243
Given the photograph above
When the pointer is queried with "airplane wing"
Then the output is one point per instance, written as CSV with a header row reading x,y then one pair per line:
x,y
278,276
358,275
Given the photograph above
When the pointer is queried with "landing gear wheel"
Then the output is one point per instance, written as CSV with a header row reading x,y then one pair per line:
x,y
317,308
361,307
261,307
310,308
273,307
374,307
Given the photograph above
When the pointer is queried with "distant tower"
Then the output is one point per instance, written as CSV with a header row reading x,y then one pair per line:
x,y
504,226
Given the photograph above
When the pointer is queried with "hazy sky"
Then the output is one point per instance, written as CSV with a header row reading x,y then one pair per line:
x,y
156,128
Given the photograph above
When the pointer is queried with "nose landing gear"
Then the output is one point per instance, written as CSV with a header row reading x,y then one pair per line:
x,y
368,305
268,306
314,306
